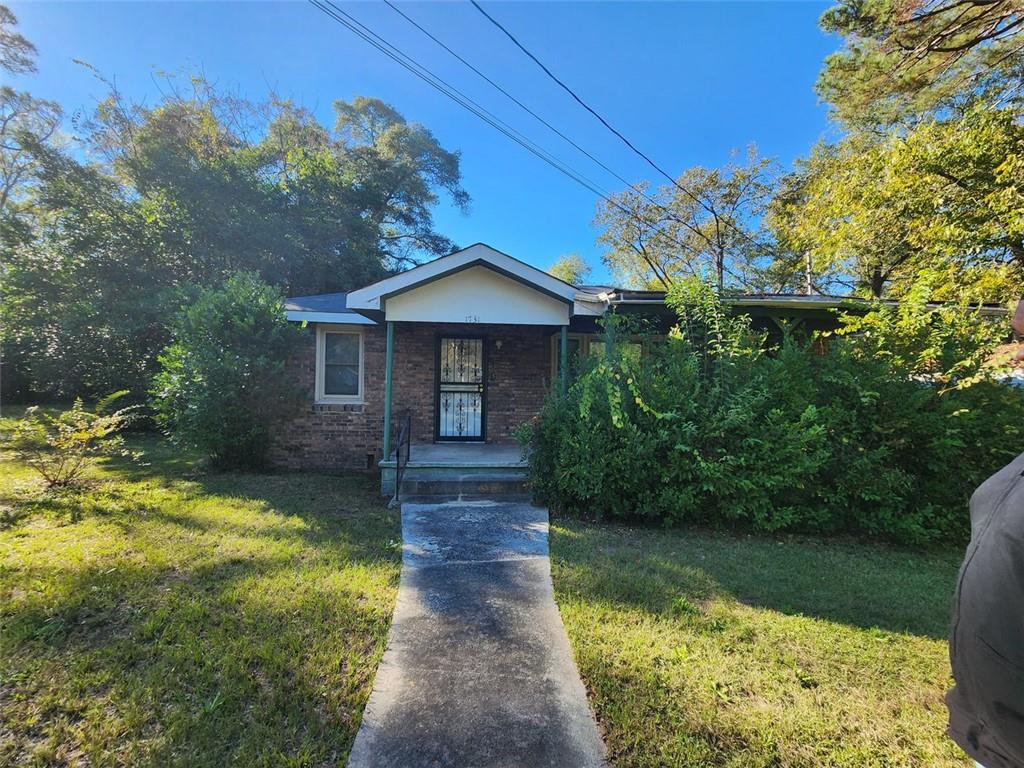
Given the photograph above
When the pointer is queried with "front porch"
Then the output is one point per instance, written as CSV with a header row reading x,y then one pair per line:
x,y
456,469
473,344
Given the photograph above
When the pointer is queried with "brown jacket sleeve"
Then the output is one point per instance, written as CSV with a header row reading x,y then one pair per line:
x,y
986,706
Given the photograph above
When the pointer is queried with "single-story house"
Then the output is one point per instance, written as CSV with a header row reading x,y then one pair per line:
x,y
464,348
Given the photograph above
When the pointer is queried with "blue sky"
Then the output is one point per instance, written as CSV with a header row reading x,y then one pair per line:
x,y
688,82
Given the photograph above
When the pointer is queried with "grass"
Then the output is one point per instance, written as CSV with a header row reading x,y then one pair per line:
x,y
174,618
704,649
170,617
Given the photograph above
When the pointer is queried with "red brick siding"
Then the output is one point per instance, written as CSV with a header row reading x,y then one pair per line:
x,y
341,436
333,436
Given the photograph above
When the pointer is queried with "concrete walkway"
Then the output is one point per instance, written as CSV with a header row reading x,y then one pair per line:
x,y
478,670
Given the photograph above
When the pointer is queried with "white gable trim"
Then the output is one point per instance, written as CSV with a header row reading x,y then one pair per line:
x,y
477,294
371,297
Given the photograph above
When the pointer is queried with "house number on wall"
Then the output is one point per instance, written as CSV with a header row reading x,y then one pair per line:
x,y
472,318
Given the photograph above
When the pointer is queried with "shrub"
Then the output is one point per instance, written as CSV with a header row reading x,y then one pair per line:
x,y
63,447
886,434
223,384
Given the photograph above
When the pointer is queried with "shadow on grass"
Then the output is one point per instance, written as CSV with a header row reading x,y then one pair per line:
x,y
221,619
670,572
11,516
195,668
159,460
128,494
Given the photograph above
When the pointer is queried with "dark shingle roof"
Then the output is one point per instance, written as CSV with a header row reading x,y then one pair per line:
x,y
324,302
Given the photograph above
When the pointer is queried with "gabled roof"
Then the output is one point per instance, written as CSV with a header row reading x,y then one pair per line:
x,y
370,300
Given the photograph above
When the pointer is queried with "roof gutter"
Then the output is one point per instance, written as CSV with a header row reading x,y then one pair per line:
x,y
800,303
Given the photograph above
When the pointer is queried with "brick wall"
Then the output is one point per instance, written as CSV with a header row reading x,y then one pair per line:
x,y
341,436
333,436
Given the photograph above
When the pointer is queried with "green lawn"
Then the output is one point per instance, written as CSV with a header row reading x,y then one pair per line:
x,y
172,617
176,618
702,649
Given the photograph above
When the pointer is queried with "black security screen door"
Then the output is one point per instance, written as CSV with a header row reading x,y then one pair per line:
x,y
460,388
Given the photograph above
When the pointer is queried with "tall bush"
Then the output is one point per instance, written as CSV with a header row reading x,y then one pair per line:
x,y
223,383
886,433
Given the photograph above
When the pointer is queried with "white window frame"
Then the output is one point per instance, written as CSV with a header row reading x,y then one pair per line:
x,y
321,398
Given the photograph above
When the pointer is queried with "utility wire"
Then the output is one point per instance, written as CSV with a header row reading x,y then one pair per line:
x,y
571,92
635,187
329,8
703,204
352,24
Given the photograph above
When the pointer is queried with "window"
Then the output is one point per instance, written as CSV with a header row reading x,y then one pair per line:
x,y
339,364
581,344
633,349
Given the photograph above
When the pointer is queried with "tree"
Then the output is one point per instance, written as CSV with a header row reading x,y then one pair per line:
x,y
265,187
17,54
906,59
223,382
89,296
926,179
571,269
401,164
25,121
707,224
190,191
943,196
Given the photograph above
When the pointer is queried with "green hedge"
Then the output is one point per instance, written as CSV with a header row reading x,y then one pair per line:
x,y
884,433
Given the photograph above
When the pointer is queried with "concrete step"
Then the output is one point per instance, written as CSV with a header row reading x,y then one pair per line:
x,y
450,484
454,482
433,471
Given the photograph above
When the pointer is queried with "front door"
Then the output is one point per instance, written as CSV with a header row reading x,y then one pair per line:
x,y
461,390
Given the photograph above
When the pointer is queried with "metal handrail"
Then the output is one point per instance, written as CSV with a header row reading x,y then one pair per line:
x,y
402,446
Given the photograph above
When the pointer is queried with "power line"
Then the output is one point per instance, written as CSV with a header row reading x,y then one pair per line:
x,y
571,92
609,126
356,27
514,100
329,8
636,188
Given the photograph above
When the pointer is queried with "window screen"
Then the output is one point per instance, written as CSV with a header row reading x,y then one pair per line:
x,y
341,364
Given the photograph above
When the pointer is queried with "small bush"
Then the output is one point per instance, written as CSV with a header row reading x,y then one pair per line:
x,y
886,433
62,448
223,383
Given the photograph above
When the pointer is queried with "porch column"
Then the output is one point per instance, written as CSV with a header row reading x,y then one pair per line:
x,y
388,355
563,359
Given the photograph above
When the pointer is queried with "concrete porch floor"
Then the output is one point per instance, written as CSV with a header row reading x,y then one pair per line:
x,y
462,455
